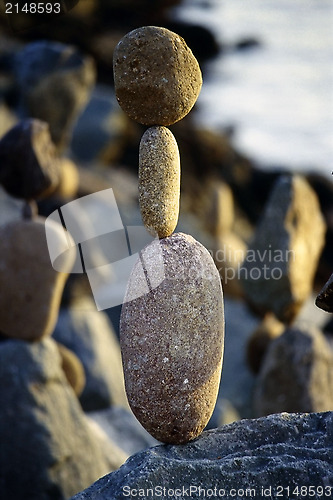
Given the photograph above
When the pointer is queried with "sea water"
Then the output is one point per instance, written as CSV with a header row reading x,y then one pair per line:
x,y
278,96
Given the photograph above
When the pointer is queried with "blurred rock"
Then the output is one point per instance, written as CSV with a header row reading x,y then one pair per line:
x,y
238,390
229,254
55,81
89,334
72,368
101,130
10,208
32,289
123,429
217,207
269,329
244,458
280,265
296,375
7,118
324,299
28,163
43,433
69,179
224,413
201,40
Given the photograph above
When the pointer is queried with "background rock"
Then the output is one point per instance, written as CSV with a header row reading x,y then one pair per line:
x,y
47,449
55,82
89,334
296,375
101,129
28,163
257,346
123,429
282,259
283,450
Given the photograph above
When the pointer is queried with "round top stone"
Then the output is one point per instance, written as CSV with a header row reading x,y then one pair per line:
x,y
157,78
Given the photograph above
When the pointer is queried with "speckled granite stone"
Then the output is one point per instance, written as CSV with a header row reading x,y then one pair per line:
x,y
172,339
157,78
159,181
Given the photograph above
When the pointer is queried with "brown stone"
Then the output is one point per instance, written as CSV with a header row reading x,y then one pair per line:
x,y
157,78
159,181
72,368
229,254
172,338
269,329
28,163
31,288
69,179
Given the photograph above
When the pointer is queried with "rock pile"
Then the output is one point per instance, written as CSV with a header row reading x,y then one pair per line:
x,y
172,324
44,433
293,364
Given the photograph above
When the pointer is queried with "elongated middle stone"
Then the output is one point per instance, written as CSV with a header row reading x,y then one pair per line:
x,y
172,337
159,181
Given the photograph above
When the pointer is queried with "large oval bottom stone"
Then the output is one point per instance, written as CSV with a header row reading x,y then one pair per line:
x,y
172,337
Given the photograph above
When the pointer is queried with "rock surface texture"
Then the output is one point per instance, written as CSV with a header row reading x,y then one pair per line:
x,y
159,181
44,436
271,453
171,338
281,263
296,375
157,78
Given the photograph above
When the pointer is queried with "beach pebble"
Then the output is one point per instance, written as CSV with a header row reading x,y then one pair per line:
x,y
32,289
28,163
157,78
159,181
172,338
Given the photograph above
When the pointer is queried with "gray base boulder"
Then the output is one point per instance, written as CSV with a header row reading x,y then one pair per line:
x,y
47,449
267,457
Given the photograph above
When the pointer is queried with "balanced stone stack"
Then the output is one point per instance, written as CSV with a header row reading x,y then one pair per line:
x,y
172,323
